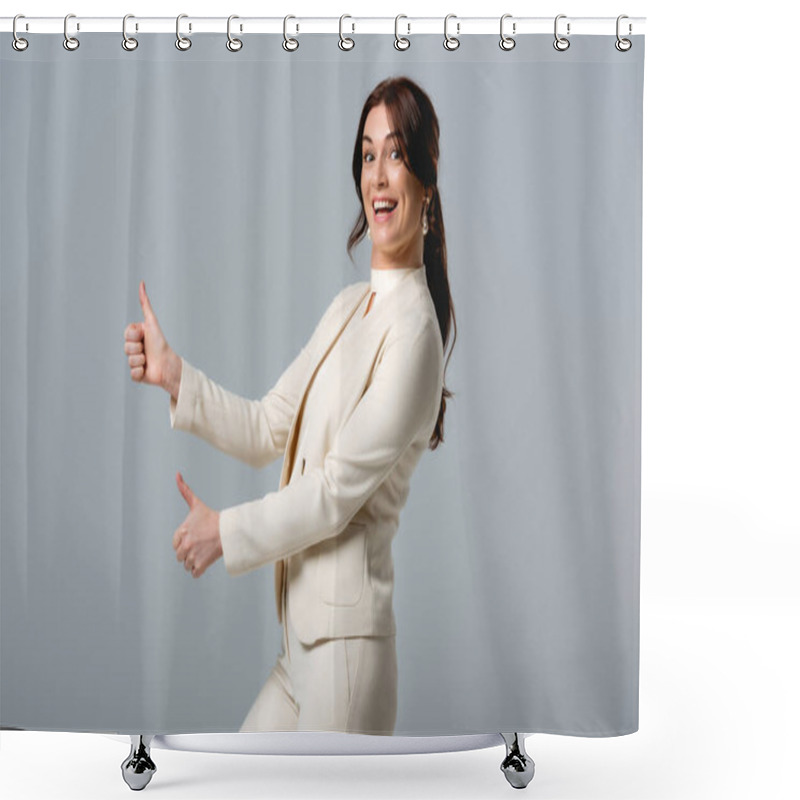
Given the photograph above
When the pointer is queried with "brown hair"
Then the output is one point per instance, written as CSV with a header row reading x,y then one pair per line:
x,y
411,112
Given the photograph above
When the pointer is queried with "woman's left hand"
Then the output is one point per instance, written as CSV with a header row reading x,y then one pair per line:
x,y
197,542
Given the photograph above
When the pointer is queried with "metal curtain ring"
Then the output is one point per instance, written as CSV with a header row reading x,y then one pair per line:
x,y
401,43
345,43
507,42
128,42
451,42
561,43
181,42
18,43
70,42
623,45
289,44
233,44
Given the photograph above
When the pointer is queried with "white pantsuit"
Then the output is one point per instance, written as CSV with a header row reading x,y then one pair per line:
x,y
347,684
346,471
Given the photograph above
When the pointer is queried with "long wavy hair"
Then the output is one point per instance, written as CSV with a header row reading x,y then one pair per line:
x,y
411,113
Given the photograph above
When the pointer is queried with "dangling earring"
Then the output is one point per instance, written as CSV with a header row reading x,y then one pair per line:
x,y
369,234
425,218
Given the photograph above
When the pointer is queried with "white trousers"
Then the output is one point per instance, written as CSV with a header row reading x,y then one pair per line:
x,y
347,685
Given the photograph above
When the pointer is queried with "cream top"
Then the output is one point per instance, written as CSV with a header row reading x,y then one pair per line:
x,y
382,281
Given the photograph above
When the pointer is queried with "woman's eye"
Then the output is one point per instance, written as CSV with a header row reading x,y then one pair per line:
x,y
394,153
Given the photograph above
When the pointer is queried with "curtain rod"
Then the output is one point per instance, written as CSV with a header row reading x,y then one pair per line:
x,y
457,26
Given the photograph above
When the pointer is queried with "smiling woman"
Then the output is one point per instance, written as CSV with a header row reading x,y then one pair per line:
x,y
395,197
349,452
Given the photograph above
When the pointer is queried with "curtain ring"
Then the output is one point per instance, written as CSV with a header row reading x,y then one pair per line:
x,y
345,43
18,43
623,45
70,42
233,44
400,42
561,43
289,44
507,42
181,42
128,42
451,42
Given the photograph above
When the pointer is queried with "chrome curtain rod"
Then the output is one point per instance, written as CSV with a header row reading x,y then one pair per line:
x,y
406,26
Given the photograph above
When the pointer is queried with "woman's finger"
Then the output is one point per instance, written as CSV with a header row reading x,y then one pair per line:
x,y
137,373
188,494
177,536
136,361
131,348
134,332
147,309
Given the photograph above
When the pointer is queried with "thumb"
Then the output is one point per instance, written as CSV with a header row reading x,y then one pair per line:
x,y
145,302
188,494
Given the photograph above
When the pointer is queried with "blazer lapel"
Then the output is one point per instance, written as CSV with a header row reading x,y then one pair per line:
x,y
319,356
291,441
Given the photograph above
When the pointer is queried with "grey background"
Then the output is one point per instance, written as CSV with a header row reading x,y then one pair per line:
x,y
223,180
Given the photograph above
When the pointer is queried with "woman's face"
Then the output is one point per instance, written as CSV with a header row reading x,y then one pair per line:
x,y
396,230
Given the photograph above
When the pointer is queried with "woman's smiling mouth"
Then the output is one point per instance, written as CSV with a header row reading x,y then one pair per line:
x,y
383,209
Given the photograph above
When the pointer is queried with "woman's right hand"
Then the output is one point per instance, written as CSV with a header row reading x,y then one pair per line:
x,y
149,355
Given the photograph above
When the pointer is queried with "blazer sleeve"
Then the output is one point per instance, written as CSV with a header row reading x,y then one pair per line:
x,y
254,431
401,403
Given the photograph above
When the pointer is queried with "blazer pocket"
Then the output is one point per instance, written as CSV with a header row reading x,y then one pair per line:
x,y
341,566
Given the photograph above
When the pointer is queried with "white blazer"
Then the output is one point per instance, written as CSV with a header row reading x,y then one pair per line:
x,y
330,525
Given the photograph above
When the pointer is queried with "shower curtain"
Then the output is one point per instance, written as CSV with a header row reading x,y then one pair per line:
x,y
220,186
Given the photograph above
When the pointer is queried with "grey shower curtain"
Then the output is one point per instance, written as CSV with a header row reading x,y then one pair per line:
x,y
224,181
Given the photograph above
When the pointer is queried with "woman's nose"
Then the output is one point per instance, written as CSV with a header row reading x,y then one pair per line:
x,y
379,174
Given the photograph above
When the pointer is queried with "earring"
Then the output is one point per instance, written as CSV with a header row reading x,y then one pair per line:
x,y
369,233
425,217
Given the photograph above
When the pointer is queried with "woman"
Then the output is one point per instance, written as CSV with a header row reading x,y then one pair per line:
x,y
352,416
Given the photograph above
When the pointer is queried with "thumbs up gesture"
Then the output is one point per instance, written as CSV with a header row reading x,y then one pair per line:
x,y
149,355
197,542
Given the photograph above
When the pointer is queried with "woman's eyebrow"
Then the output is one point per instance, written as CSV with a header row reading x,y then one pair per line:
x,y
388,136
